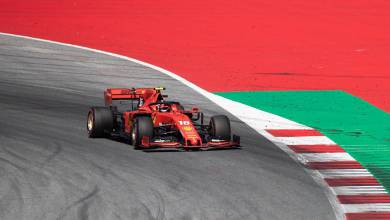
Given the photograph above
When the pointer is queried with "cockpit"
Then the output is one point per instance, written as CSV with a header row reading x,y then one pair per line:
x,y
166,106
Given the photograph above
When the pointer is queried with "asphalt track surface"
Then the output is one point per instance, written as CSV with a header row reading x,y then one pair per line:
x,y
50,169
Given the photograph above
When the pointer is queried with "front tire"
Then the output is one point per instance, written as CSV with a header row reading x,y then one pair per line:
x,y
143,126
220,127
100,121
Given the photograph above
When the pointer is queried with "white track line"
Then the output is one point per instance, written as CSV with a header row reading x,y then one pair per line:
x,y
259,121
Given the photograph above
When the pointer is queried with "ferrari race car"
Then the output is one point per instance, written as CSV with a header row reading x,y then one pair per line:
x,y
147,121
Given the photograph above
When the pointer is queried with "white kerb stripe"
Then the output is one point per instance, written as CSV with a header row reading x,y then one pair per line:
x,y
358,190
337,173
373,207
309,140
323,157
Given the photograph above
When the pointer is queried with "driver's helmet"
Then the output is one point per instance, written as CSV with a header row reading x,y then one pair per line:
x,y
163,108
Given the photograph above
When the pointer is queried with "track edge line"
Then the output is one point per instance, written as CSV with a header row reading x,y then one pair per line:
x,y
266,118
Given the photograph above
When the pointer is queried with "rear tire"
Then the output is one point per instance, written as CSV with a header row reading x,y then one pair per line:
x,y
220,127
143,126
99,122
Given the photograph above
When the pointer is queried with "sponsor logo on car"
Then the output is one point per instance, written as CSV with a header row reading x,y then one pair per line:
x,y
187,128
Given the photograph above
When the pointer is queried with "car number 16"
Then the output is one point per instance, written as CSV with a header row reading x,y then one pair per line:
x,y
184,122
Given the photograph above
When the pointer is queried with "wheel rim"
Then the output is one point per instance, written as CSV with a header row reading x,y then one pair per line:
x,y
133,135
90,122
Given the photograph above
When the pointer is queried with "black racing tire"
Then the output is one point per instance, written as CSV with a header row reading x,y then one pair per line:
x,y
100,122
220,127
143,126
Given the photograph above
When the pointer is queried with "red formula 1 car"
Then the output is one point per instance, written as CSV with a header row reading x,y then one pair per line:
x,y
143,117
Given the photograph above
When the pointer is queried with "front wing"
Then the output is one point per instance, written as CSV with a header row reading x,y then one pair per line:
x,y
234,143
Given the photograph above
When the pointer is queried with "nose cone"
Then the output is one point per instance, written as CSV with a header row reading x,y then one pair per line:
x,y
194,141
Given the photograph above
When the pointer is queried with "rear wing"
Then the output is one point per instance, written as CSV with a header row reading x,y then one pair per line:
x,y
119,94
128,94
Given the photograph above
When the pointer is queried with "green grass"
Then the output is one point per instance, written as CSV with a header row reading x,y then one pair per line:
x,y
358,127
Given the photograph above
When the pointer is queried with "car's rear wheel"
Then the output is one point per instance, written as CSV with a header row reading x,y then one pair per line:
x,y
143,126
220,127
99,122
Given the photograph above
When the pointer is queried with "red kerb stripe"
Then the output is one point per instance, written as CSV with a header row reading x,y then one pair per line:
x,y
293,132
354,181
316,148
368,216
364,199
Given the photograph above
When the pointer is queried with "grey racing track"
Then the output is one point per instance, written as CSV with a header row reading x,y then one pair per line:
x,y
50,169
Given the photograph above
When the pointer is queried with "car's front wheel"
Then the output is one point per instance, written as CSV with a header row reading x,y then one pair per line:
x,y
219,127
143,126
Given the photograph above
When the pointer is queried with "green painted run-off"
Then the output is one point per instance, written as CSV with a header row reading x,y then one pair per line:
x,y
360,128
